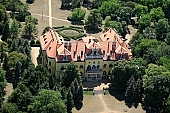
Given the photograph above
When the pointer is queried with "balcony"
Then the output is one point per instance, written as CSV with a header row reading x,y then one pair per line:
x,y
94,71
93,56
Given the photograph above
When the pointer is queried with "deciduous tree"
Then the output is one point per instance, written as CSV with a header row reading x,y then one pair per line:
x,y
14,29
156,14
9,108
48,101
22,97
94,20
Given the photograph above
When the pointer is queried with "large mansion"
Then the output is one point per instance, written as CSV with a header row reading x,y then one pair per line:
x,y
93,56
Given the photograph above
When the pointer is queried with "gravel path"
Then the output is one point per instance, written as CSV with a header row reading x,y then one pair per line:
x,y
34,54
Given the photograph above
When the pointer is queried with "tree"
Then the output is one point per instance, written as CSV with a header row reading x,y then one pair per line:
x,y
17,74
77,15
30,29
162,28
125,14
48,101
145,44
36,78
144,21
2,85
15,57
156,14
109,7
80,94
70,102
71,69
94,20
114,25
168,105
156,81
14,29
140,10
123,70
167,40
165,61
2,17
9,108
6,31
21,96
3,50
149,32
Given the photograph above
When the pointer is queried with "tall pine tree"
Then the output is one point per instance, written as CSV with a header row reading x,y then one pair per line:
x,y
70,102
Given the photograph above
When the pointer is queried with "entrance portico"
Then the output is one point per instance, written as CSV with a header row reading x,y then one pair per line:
x,y
94,75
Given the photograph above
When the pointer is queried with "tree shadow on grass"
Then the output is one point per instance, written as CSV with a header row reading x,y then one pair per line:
x,y
79,23
79,105
119,95
90,30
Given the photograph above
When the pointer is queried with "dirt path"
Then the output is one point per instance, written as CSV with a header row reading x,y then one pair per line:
x,y
9,90
34,54
132,32
50,19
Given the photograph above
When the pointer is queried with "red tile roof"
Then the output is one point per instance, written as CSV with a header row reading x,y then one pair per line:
x,y
111,45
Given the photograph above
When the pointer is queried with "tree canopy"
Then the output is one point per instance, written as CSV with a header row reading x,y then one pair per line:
x,y
48,101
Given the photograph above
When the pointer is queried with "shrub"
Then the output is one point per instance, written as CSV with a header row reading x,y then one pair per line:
x,y
37,42
32,42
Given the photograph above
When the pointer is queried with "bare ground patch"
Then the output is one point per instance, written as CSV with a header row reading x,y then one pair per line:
x,y
9,90
114,104
91,104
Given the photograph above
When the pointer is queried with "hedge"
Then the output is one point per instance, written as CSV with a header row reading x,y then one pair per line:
x,y
67,38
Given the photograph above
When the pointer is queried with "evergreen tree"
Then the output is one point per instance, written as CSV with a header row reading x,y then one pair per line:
x,y
80,94
17,74
2,85
70,102
14,29
63,92
6,30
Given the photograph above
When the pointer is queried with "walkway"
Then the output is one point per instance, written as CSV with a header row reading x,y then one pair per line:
x,y
50,19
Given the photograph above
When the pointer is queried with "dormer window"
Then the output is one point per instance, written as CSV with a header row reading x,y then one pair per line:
x,y
44,35
122,56
78,58
108,57
45,42
81,66
65,58
94,52
45,39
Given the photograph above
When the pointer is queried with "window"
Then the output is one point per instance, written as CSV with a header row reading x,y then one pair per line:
x,y
94,52
104,72
98,62
81,66
94,67
62,68
109,72
49,70
81,74
94,62
110,65
98,66
104,65
49,63
89,67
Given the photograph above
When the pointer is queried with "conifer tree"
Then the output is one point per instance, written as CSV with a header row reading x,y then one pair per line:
x,y
70,102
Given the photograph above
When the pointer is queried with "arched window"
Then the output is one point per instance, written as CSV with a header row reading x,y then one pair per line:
x,y
89,67
81,66
62,68
98,66
93,67
104,65
104,72
110,65
81,74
